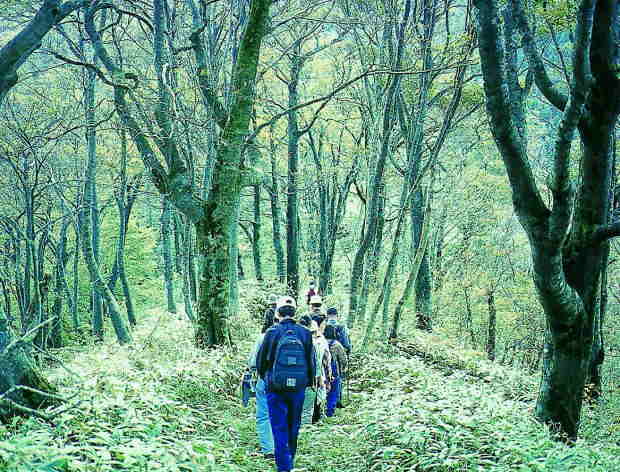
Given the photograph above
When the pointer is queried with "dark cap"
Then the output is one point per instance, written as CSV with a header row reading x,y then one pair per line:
x,y
332,311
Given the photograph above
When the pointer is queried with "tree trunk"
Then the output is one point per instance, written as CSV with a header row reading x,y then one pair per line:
x,y
423,289
275,219
124,203
256,227
491,328
567,241
17,369
292,211
187,286
90,188
166,251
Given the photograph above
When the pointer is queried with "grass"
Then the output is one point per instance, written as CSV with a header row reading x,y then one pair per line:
x,y
163,405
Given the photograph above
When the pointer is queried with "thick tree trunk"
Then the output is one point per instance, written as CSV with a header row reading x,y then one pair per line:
x,y
567,241
17,369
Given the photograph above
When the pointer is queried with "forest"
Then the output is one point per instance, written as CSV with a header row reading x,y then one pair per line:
x,y
444,172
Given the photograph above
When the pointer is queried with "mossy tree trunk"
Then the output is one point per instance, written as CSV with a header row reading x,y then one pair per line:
x,y
17,369
216,218
569,240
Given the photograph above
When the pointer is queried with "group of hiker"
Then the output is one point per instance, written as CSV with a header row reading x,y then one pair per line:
x,y
298,365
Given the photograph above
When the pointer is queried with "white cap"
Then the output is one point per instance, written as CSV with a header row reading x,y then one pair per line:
x,y
287,301
316,300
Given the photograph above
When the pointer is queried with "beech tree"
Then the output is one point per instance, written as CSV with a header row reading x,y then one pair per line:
x,y
216,217
569,239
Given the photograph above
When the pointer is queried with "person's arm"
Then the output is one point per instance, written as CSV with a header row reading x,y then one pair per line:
x,y
346,341
254,353
263,357
311,358
342,359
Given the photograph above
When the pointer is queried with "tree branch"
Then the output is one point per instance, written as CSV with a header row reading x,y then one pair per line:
x,y
604,232
18,50
563,189
528,203
543,81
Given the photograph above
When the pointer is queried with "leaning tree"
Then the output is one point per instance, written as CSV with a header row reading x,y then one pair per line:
x,y
569,238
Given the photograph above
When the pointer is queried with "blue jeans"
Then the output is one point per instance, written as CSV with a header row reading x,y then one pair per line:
x,y
333,395
285,414
263,426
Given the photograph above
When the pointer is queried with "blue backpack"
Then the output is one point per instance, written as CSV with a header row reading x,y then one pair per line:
x,y
290,367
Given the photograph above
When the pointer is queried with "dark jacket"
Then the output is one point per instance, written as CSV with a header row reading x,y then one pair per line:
x,y
267,351
342,334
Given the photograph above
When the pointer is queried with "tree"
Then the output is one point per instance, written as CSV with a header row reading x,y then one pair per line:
x,y
216,218
18,50
569,239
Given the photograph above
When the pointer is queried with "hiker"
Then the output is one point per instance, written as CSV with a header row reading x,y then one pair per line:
x,y
325,363
316,302
342,333
311,390
286,362
311,292
263,425
268,317
338,367
316,395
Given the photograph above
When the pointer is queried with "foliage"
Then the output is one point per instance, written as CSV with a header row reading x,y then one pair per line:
x,y
164,405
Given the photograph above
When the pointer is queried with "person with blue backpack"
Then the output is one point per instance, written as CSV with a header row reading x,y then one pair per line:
x,y
338,368
286,362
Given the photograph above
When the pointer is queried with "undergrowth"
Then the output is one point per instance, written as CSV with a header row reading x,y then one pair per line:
x,y
163,405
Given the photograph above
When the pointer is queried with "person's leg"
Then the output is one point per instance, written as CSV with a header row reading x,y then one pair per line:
x,y
308,409
295,407
317,411
333,396
263,425
278,415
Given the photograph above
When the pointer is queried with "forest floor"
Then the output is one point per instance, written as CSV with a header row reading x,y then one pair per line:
x,y
163,405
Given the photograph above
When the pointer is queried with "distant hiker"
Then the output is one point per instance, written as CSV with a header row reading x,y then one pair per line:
x,y
272,302
312,291
338,368
263,425
316,303
286,362
342,333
